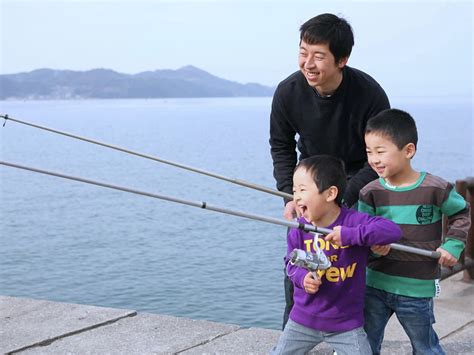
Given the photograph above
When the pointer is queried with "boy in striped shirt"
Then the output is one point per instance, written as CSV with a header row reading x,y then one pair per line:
x,y
399,282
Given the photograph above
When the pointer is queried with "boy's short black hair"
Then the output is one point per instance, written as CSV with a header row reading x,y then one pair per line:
x,y
326,171
331,30
395,124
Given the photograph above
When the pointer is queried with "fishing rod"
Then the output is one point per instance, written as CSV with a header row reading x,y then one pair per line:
x,y
201,204
157,159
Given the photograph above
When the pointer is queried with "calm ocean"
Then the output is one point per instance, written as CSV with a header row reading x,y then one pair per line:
x,y
67,241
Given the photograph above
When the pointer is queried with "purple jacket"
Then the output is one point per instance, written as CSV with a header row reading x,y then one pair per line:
x,y
338,306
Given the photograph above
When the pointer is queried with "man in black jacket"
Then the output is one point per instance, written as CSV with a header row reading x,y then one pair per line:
x,y
327,104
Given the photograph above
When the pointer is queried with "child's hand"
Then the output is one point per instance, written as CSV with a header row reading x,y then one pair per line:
x,y
380,249
446,258
335,236
311,285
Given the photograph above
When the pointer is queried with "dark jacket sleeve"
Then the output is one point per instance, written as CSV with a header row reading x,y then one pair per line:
x,y
379,104
356,183
283,145
366,174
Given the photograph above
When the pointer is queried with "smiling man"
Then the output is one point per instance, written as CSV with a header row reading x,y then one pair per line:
x,y
327,104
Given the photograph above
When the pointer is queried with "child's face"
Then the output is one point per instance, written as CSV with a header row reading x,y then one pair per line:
x,y
384,156
311,203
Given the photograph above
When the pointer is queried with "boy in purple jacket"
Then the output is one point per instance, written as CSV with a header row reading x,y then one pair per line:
x,y
330,308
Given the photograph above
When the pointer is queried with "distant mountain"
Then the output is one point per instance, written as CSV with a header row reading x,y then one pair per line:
x,y
188,81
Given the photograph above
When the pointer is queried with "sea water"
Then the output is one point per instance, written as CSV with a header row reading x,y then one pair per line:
x,y
67,241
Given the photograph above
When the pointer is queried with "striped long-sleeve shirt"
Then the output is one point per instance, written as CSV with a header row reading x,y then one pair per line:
x,y
418,210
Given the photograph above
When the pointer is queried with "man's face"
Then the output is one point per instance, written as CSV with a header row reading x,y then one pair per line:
x,y
318,65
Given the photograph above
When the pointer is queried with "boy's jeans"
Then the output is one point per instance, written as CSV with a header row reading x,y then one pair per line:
x,y
415,315
297,339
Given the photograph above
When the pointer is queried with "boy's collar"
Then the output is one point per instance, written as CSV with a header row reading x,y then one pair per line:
x,y
403,188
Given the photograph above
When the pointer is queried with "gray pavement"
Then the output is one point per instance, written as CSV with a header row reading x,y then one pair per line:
x,y
30,326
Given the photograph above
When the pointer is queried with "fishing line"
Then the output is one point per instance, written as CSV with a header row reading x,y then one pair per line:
x,y
157,159
201,204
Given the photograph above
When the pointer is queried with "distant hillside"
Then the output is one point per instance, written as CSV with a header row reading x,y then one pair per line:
x,y
188,81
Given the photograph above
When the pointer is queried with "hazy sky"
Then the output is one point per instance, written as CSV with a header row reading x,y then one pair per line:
x,y
413,48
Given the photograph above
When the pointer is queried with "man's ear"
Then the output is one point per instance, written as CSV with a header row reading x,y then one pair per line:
x,y
410,150
331,193
342,62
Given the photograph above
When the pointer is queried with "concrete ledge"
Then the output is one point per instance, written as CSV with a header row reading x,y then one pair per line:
x,y
245,341
25,322
143,334
43,327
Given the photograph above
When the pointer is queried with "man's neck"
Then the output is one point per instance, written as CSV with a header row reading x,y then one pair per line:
x,y
330,87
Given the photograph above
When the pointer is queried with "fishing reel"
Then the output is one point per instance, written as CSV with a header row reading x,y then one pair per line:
x,y
310,261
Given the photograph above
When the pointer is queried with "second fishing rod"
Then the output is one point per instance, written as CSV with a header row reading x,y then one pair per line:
x,y
151,157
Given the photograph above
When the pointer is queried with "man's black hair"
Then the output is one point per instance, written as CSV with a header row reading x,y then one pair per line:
x,y
326,171
395,124
331,30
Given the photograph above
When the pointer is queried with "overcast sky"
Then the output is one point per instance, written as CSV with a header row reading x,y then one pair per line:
x,y
413,48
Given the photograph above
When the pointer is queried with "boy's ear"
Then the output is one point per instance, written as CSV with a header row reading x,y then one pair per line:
x,y
410,150
331,193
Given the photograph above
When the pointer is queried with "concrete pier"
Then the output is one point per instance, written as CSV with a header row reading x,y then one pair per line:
x,y
30,326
